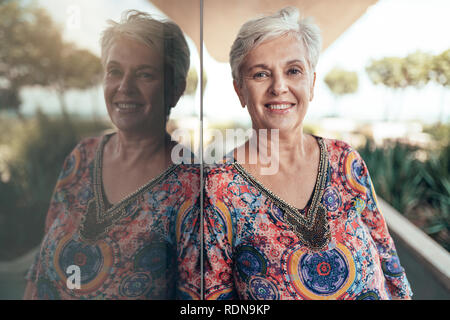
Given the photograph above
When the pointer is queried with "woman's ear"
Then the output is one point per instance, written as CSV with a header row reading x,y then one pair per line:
x,y
311,90
238,90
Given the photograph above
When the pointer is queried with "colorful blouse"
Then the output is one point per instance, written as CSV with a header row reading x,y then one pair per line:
x,y
257,246
138,248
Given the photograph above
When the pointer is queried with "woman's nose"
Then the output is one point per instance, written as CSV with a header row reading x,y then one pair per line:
x,y
127,84
279,85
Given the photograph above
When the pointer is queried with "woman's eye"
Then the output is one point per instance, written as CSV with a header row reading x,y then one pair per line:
x,y
260,75
145,75
294,71
113,72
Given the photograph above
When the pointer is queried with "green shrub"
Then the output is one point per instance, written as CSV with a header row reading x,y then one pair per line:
x,y
418,189
436,182
393,169
440,133
39,147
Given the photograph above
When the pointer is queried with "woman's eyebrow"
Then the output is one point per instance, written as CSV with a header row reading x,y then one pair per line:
x,y
260,65
302,62
147,66
265,66
114,63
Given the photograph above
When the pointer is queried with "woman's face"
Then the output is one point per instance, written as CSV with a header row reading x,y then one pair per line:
x,y
134,86
277,84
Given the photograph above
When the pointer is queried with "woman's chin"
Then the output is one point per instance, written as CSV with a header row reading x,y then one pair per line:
x,y
134,125
286,125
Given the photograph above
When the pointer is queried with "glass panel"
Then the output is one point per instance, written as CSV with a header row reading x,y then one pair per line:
x,y
98,198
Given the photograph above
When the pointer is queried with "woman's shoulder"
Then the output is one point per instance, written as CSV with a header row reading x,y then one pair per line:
x,y
89,145
84,151
338,148
336,144
90,142
350,167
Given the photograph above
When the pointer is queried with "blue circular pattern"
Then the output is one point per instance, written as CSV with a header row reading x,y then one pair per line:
x,y
153,258
392,266
250,262
88,258
262,289
357,171
135,285
331,199
324,273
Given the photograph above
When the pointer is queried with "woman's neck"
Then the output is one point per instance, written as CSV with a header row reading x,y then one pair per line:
x,y
131,148
277,151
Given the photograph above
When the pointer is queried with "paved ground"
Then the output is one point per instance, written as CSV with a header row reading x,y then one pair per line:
x,y
424,284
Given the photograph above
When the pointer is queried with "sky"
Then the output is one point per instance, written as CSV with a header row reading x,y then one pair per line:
x,y
388,28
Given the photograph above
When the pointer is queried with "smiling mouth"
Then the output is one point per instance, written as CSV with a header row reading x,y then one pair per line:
x,y
279,106
127,107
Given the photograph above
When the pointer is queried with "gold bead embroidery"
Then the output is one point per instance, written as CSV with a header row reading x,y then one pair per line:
x,y
312,229
98,220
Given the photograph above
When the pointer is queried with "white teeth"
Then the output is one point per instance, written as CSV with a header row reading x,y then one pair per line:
x,y
279,106
127,105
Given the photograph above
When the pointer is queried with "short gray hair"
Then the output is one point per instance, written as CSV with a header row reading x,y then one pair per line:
x,y
256,31
163,35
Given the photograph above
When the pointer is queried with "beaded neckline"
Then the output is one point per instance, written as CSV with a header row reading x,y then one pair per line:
x,y
99,219
312,229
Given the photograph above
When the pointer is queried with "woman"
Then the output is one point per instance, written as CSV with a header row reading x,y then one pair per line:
x,y
122,213
312,230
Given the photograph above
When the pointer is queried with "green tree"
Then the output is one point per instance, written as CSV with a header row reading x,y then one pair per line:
x,y
441,68
341,82
440,73
32,52
29,41
416,69
73,69
389,73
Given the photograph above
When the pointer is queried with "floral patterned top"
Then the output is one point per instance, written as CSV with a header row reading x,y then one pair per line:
x,y
257,246
138,248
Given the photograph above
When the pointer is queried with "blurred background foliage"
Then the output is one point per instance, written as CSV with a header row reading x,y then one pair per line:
x,y
341,82
33,53
192,81
414,70
32,149
36,151
415,181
